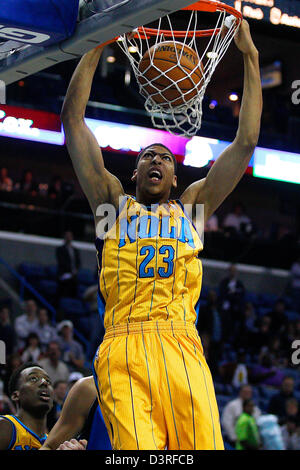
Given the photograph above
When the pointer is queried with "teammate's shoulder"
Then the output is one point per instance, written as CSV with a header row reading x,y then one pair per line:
x,y
7,430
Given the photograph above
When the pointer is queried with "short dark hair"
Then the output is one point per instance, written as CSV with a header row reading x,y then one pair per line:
x,y
13,383
30,336
161,145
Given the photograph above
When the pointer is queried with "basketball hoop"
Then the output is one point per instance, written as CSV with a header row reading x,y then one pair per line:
x,y
186,118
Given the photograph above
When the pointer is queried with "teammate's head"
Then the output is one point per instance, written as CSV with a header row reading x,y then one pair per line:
x,y
155,172
30,389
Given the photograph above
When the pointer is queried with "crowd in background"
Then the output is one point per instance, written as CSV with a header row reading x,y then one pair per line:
x,y
57,191
243,347
224,233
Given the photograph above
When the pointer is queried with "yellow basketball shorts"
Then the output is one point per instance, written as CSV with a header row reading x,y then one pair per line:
x,y
155,389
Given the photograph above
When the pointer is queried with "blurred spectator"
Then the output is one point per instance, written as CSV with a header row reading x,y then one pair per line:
x,y
27,183
26,323
32,352
55,188
279,320
13,362
289,336
231,299
295,284
270,432
6,183
44,330
7,333
237,221
209,322
240,376
274,348
235,372
263,335
233,410
72,351
247,434
212,224
265,372
73,378
68,260
55,368
248,328
297,329
250,318
278,401
291,434
292,410
97,328
60,389
6,405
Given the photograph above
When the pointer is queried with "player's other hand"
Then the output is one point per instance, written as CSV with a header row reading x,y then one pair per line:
x,y
73,444
244,40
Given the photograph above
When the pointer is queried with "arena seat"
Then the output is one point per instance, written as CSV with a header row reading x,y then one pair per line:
x,y
267,300
48,288
262,311
51,272
292,316
222,400
204,292
86,277
32,271
264,403
252,297
81,288
267,392
73,307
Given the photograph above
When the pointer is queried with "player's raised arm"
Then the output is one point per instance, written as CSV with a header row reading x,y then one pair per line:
x,y
73,415
232,163
98,184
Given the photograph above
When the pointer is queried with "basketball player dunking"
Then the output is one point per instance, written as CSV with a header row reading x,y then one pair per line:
x,y
154,387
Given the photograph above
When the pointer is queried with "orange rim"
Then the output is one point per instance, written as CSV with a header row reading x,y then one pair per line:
x,y
201,5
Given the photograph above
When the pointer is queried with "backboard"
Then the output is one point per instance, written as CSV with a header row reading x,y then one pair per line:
x,y
98,22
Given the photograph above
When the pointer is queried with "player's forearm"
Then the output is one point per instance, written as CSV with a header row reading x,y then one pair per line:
x,y
46,447
251,108
79,89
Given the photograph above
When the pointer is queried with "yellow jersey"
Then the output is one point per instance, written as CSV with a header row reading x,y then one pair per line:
x,y
23,438
148,264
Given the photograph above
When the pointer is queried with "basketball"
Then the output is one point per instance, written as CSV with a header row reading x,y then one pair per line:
x,y
164,66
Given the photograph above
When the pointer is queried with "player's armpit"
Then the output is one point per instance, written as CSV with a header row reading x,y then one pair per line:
x,y
6,432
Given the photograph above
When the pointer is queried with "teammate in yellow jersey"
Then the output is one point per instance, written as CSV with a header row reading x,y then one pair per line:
x,y
31,391
154,387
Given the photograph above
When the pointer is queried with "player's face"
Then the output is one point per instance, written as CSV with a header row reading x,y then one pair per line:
x,y
155,172
35,392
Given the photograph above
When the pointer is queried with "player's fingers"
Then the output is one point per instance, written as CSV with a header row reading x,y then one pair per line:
x,y
63,447
69,445
83,442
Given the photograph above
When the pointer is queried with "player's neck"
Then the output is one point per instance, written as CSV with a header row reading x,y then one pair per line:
x,y
36,424
147,200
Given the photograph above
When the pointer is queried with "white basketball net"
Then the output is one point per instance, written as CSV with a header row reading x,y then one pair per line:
x,y
185,119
